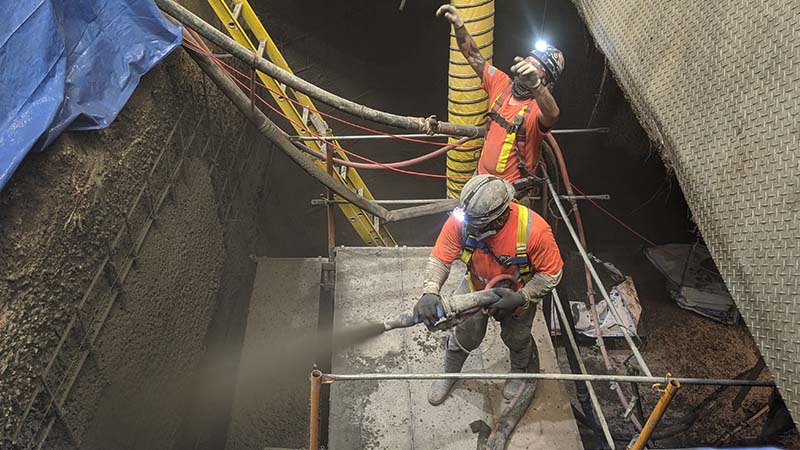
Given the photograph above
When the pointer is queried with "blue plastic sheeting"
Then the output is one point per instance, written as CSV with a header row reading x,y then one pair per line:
x,y
70,64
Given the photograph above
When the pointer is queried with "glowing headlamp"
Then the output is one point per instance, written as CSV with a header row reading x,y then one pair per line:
x,y
541,45
458,213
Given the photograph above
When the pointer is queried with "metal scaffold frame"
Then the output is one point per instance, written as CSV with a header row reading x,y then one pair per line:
x,y
665,386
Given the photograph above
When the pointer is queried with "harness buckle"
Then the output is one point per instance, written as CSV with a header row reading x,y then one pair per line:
x,y
505,260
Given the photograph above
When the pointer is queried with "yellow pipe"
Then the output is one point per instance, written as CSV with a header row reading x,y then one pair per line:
x,y
467,103
658,412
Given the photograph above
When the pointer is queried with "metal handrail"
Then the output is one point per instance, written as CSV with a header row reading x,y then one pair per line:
x,y
330,377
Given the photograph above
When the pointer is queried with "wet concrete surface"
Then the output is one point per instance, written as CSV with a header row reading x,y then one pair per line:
x,y
157,328
376,284
271,399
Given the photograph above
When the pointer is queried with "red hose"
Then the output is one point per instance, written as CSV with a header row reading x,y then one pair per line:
x,y
589,291
499,278
394,165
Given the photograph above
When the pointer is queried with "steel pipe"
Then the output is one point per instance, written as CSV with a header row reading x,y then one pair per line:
x,y
426,201
272,132
592,395
597,280
397,215
330,204
364,137
313,423
666,397
329,378
189,19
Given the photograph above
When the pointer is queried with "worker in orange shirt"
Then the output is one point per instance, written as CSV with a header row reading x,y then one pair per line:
x,y
522,109
492,236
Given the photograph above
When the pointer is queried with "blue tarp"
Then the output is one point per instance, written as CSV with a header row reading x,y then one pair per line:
x,y
72,65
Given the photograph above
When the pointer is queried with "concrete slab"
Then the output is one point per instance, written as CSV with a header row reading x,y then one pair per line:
x,y
271,402
375,284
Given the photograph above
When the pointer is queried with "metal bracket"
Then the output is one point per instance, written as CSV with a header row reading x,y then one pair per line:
x,y
236,12
629,409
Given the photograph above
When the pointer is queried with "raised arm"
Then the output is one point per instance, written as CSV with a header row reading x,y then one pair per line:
x,y
465,41
532,74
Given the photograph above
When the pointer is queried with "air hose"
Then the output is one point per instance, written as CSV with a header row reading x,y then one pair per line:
x,y
467,103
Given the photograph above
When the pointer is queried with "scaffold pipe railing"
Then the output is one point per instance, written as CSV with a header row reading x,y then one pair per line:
x,y
598,410
547,376
621,324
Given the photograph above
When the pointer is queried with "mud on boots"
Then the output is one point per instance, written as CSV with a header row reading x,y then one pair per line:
x,y
497,240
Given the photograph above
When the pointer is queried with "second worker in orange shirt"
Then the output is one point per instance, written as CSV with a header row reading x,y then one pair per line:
x,y
495,238
522,110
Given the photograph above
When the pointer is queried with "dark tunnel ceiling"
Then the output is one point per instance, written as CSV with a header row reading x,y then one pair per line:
x,y
405,41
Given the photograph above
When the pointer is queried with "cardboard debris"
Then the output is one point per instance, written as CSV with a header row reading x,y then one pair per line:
x,y
626,301
694,281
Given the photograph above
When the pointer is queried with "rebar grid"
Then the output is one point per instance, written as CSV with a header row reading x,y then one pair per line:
x,y
44,411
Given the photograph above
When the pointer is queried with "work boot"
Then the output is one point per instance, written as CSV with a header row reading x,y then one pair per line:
x,y
512,387
521,363
440,389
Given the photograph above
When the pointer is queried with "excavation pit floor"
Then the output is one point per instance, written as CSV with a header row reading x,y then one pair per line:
x,y
376,284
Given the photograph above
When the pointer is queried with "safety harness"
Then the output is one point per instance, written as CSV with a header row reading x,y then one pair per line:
x,y
515,132
520,258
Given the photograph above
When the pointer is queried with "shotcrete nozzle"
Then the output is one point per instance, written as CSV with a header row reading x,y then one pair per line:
x,y
405,320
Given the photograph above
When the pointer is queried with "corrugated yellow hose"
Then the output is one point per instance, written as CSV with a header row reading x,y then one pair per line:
x,y
466,101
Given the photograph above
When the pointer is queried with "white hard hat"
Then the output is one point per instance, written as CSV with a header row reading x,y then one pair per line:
x,y
484,198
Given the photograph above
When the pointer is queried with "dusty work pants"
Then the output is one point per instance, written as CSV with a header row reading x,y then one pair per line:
x,y
514,331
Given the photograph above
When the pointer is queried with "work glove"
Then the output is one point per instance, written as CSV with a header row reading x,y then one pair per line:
x,y
451,14
529,72
509,301
428,310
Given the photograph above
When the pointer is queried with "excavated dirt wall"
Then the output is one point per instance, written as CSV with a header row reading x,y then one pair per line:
x,y
177,163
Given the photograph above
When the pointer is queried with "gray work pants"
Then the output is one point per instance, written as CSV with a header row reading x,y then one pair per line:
x,y
514,331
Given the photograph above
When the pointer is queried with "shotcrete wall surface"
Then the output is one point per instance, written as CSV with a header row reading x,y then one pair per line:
x,y
157,333
716,84
139,234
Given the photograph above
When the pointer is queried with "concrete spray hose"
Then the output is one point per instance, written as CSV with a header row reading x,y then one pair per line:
x,y
456,308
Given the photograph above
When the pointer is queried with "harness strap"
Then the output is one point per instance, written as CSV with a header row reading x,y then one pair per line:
x,y
520,258
524,223
515,132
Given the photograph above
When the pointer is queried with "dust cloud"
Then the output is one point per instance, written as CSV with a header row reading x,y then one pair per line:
x,y
277,370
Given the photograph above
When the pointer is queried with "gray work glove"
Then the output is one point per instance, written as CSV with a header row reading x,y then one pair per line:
x,y
451,14
509,301
529,71
428,310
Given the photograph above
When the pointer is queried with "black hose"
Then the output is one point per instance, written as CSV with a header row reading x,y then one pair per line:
x,y
188,19
271,131
580,387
